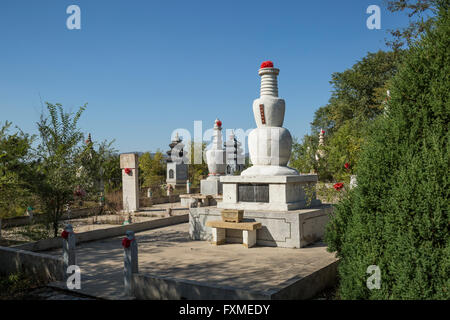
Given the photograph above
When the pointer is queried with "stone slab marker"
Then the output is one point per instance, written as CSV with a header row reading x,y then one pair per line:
x,y
129,164
69,245
130,261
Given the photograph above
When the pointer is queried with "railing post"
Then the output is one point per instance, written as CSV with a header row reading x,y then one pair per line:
x,y
69,245
130,261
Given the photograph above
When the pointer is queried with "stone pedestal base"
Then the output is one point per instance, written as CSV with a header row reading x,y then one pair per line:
x,y
249,238
271,193
210,186
218,236
290,229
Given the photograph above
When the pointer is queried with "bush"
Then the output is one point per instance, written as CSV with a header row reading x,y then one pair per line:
x,y
398,216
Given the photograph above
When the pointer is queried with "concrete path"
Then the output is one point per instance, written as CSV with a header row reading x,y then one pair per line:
x,y
169,252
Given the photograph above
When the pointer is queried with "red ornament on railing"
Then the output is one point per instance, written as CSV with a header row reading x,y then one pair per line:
x,y
338,186
127,170
267,64
65,234
126,242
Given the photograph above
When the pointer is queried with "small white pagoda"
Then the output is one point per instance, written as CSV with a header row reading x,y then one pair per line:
x,y
216,160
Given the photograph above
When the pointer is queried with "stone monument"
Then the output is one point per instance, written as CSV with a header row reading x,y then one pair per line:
x,y
269,184
273,196
129,164
177,168
320,151
216,160
235,158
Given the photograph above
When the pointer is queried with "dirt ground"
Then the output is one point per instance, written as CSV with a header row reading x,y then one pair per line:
x,y
30,233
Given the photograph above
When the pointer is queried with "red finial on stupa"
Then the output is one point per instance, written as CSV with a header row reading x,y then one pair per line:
x,y
267,64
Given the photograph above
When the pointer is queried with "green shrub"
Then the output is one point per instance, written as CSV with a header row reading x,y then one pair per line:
x,y
398,216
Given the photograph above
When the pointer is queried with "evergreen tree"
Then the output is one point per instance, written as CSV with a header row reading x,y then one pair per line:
x,y
397,218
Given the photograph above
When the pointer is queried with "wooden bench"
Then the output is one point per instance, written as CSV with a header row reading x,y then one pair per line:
x,y
248,231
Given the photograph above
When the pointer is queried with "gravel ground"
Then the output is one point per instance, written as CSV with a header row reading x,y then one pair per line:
x,y
30,233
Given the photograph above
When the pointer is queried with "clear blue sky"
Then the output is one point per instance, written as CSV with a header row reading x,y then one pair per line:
x,y
148,67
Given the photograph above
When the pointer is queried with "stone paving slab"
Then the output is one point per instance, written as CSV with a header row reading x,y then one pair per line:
x,y
168,252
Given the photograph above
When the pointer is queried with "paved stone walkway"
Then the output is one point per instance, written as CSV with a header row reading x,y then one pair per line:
x,y
169,252
48,293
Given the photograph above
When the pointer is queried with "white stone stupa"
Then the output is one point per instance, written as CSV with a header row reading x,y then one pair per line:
x,y
269,184
320,153
270,193
216,160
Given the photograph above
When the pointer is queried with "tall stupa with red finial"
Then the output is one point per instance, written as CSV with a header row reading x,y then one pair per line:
x,y
269,184
277,203
269,144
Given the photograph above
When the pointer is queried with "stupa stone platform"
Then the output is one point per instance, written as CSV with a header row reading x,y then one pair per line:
x,y
270,193
288,229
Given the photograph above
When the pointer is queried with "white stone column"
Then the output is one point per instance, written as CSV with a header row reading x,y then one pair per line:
x,y
130,261
219,236
69,246
249,238
129,164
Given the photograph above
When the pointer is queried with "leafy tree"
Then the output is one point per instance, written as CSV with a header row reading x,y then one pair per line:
x,y
416,28
60,159
344,147
197,171
358,97
354,90
152,170
112,173
14,155
398,215
94,170
303,154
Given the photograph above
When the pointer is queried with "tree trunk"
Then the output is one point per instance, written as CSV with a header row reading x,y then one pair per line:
x,y
0,228
55,228
55,223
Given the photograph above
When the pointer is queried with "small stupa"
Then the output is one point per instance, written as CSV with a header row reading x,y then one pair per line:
x,y
177,169
216,160
234,154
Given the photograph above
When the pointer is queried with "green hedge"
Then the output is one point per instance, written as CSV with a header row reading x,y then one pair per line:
x,y
398,216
